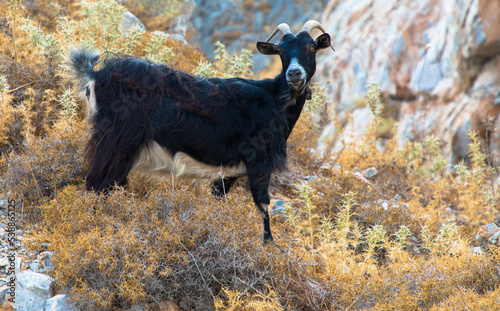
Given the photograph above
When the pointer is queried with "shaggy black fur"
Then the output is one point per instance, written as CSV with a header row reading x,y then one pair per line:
x,y
219,122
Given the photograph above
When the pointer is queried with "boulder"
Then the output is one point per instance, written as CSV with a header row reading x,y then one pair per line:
x,y
435,61
32,290
59,303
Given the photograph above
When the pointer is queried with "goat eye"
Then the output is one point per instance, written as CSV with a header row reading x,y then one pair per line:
x,y
312,48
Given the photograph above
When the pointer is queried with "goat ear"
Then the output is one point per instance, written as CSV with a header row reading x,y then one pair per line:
x,y
268,48
323,41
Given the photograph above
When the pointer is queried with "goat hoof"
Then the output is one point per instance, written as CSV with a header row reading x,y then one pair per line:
x,y
268,239
216,191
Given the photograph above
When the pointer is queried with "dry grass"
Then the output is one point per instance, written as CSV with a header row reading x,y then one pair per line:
x,y
399,241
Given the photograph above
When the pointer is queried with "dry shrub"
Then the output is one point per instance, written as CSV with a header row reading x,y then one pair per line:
x,y
32,54
151,248
47,164
398,241
155,14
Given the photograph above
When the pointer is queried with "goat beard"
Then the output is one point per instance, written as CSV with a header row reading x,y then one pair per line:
x,y
289,96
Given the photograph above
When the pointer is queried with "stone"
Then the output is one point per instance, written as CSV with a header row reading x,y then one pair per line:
x,y
169,306
384,204
326,166
59,303
352,132
489,233
369,172
32,290
3,291
240,24
4,261
131,22
278,207
46,262
436,63
477,250
309,178
34,266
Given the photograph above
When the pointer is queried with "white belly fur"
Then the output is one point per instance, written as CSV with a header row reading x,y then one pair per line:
x,y
155,161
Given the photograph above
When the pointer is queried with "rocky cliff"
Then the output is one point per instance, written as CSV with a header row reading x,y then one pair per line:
x,y
240,24
436,62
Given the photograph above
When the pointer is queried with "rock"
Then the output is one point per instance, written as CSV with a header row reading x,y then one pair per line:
x,y
326,166
384,204
34,266
352,132
131,22
169,306
3,291
369,172
4,261
477,250
309,178
32,290
278,207
489,233
180,26
176,37
436,63
59,303
360,176
240,24
46,262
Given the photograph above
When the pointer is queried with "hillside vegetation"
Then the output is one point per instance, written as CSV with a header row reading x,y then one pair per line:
x,y
398,240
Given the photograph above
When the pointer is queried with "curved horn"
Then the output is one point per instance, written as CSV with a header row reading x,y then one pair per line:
x,y
312,24
284,28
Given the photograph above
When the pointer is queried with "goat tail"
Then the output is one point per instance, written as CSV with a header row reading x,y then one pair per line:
x,y
80,62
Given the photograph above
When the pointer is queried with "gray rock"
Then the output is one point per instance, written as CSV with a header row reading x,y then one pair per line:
x,y
3,291
34,266
32,290
477,250
59,303
240,24
384,204
130,21
4,261
46,262
278,207
326,166
370,172
309,178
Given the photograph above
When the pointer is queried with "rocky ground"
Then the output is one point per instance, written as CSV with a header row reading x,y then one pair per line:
x,y
33,286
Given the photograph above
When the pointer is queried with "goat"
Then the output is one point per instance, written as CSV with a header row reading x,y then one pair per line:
x,y
162,121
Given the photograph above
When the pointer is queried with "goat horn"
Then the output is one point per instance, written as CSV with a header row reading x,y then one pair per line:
x,y
284,28
312,24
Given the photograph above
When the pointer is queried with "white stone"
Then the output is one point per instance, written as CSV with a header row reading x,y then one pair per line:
x,y
32,290
477,250
59,303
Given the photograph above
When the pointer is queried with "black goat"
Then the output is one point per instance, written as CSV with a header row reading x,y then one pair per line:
x,y
150,117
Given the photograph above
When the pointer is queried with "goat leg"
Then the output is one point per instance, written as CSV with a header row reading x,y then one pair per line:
x,y
259,186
